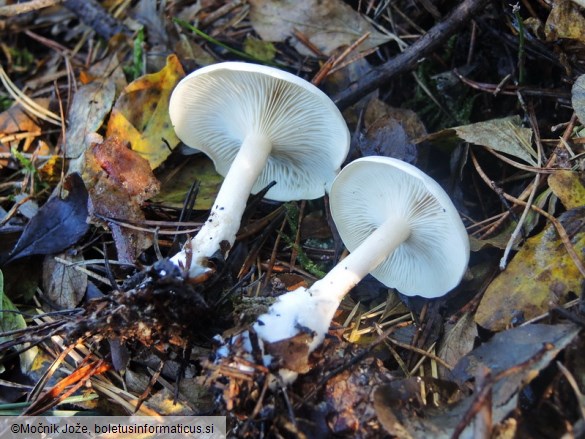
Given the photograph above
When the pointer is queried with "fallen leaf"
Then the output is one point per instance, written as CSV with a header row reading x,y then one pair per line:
x,y
565,21
349,396
458,341
328,24
118,181
409,120
58,224
292,353
515,347
16,126
540,276
528,349
386,137
504,135
578,98
153,19
141,114
111,67
10,320
568,187
175,183
91,103
259,49
63,284
389,132
125,169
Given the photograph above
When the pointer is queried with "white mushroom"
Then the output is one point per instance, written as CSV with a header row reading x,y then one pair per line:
x,y
399,225
258,124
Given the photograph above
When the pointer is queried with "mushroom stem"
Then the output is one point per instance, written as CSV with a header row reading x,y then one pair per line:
x,y
367,256
219,230
314,308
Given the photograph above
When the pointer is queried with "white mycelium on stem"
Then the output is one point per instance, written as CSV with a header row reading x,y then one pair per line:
x,y
258,125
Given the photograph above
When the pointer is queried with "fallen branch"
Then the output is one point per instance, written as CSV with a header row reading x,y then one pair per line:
x,y
95,16
407,60
23,8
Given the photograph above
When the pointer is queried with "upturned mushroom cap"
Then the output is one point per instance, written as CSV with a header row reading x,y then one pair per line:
x,y
216,107
371,190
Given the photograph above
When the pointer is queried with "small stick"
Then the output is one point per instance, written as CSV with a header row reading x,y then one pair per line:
x,y
23,8
556,223
408,59
333,62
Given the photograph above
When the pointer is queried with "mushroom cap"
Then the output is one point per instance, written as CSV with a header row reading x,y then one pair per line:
x,y
214,108
371,190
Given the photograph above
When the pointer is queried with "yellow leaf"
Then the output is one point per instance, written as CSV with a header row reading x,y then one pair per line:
x,y
541,276
565,21
568,187
141,113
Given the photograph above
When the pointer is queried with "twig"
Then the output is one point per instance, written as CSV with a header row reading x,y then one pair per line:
x,y
93,15
480,398
556,223
23,8
510,90
408,59
334,61
220,12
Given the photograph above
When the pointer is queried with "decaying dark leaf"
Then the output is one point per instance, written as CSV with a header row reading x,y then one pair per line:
x,y
389,132
59,224
119,180
517,354
458,341
293,353
350,396
386,137
176,183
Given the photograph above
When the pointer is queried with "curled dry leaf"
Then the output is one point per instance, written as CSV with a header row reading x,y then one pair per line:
x,y
119,181
328,24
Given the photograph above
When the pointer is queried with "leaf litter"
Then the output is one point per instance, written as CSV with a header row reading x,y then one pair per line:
x,y
489,349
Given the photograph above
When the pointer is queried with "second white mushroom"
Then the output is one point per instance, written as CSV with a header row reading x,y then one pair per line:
x,y
399,225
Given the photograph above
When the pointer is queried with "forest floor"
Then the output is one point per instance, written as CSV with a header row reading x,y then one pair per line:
x,y
97,191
